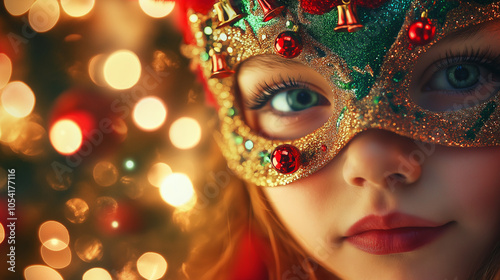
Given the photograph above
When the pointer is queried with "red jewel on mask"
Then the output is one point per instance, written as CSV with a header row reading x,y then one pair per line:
x,y
286,159
421,31
288,44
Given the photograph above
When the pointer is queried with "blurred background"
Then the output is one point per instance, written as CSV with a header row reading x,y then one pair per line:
x,y
103,139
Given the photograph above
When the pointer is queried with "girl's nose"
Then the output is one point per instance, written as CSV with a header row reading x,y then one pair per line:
x,y
382,159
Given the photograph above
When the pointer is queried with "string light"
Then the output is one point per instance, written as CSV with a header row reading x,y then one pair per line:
x,y
157,9
149,113
18,99
66,136
151,266
43,15
77,8
17,7
122,69
5,69
185,133
177,190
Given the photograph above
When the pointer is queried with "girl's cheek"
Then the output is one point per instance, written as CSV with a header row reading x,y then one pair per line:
x,y
473,186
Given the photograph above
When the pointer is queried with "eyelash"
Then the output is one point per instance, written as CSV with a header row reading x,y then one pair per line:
x,y
484,57
266,92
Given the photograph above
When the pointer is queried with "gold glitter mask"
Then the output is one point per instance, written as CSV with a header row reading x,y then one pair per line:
x,y
366,96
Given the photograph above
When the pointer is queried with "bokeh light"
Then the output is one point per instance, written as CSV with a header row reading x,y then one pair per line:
x,y
5,69
88,248
122,69
18,7
41,272
58,181
151,266
76,210
30,141
3,178
149,113
158,172
53,235
129,164
18,99
105,174
43,15
185,133
96,273
56,259
77,8
2,233
177,190
66,136
157,9
96,68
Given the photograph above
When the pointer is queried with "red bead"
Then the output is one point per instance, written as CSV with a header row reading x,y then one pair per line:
x,y
323,148
286,159
288,44
421,31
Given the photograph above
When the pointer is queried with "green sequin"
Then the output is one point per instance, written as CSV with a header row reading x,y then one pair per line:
x,y
231,112
265,158
237,139
398,76
289,24
483,117
440,10
376,100
341,116
204,56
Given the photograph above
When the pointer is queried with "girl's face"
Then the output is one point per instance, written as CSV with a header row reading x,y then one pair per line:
x,y
388,207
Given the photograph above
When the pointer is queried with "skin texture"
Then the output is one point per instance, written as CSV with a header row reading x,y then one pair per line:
x,y
380,172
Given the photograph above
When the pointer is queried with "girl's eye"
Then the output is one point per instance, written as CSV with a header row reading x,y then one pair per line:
x,y
456,77
294,100
458,82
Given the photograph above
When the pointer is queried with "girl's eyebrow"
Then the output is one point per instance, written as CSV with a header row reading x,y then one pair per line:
x,y
480,30
269,62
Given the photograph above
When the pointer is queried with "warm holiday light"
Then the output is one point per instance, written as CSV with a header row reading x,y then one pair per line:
x,y
2,233
56,259
105,174
53,235
158,172
157,9
66,136
76,210
18,99
96,68
122,69
149,113
129,164
151,266
88,248
5,69
18,7
44,15
177,189
185,133
96,273
77,8
41,272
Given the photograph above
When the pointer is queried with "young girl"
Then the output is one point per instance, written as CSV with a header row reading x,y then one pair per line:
x,y
367,135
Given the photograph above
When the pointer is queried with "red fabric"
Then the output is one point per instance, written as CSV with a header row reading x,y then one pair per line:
x,y
249,259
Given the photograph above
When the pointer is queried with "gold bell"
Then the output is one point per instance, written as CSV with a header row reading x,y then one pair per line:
x,y
220,69
270,8
226,13
348,18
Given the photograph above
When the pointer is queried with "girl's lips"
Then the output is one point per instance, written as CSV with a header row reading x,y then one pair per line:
x,y
393,233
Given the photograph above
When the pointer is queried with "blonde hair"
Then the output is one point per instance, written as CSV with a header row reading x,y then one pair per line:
x,y
218,227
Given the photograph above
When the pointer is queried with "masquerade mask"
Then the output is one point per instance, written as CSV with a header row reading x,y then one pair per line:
x,y
367,51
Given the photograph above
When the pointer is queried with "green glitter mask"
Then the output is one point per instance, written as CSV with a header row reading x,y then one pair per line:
x,y
369,70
